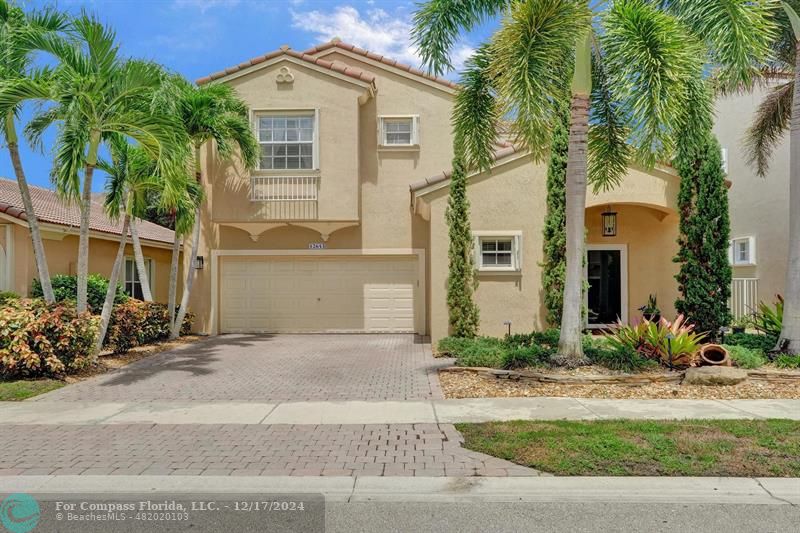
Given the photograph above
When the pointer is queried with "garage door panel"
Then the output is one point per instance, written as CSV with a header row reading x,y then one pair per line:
x,y
304,294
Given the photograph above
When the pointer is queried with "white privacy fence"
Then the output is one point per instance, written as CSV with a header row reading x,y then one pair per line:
x,y
744,296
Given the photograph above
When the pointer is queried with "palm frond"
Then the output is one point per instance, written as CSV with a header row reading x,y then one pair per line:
x,y
737,33
609,151
770,123
475,113
530,51
438,23
650,59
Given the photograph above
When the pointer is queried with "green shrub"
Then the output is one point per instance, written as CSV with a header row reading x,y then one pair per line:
x,y
6,296
524,356
619,358
452,346
753,341
37,339
787,361
65,289
482,351
745,357
135,323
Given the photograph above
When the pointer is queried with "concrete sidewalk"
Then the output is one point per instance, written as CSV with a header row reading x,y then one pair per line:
x,y
388,412
678,490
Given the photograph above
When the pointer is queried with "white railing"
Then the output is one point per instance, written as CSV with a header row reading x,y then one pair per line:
x,y
744,296
284,188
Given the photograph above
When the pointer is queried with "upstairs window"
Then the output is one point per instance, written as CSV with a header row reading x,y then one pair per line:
x,y
742,251
398,131
287,141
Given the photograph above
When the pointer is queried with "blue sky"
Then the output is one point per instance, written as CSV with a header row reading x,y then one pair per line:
x,y
197,37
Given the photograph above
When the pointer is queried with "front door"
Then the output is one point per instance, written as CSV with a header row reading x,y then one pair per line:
x,y
604,270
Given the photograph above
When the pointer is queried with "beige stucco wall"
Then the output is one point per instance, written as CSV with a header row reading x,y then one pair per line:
x,y
513,198
358,182
759,207
62,257
337,102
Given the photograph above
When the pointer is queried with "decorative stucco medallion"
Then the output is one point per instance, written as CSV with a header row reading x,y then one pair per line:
x,y
284,75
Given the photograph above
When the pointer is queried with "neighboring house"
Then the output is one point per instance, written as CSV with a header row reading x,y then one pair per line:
x,y
759,208
342,226
60,225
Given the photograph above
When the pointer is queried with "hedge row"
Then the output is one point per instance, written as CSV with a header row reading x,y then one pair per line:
x,y
37,339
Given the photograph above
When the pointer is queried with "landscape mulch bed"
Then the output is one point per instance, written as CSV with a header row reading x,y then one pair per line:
x,y
478,385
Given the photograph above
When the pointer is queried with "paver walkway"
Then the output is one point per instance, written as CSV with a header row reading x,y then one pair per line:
x,y
248,450
273,368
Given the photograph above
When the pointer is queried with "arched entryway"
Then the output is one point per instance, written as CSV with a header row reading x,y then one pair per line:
x,y
624,269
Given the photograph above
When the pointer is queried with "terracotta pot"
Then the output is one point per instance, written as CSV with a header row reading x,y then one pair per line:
x,y
714,354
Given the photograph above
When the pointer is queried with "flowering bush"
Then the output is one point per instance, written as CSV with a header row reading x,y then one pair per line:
x,y
135,323
37,339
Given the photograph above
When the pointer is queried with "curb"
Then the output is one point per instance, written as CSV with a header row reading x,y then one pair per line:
x,y
697,490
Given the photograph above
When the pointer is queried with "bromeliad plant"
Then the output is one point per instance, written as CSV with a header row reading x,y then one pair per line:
x,y
768,319
674,344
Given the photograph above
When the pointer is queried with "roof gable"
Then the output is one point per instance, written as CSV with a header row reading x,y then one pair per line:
x,y
51,209
334,67
336,45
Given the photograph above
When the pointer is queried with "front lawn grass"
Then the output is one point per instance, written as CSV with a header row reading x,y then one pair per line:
x,y
14,391
740,448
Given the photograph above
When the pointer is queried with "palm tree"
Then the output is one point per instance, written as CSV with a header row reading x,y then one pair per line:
x,y
777,113
628,68
183,219
94,93
133,178
211,113
16,27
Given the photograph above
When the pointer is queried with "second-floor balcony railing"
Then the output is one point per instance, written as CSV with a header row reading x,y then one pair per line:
x,y
284,188
286,197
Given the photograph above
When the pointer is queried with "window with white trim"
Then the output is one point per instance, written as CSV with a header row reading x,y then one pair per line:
x,y
398,130
287,141
742,251
132,284
498,251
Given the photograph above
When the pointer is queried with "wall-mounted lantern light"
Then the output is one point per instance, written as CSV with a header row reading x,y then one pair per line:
x,y
199,262
609,223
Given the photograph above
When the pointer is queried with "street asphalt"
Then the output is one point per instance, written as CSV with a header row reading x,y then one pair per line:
x,y
484,517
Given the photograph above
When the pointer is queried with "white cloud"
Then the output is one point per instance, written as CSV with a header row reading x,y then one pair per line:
x,y
376,31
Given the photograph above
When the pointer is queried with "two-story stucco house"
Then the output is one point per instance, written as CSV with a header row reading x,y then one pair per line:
x,y
341,228
759,207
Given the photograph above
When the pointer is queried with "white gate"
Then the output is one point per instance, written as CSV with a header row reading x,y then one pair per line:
x,y
744,296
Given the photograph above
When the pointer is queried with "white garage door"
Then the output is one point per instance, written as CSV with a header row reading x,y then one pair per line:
x,y
296,294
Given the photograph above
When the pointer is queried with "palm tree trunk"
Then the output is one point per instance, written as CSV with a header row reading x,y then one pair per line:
x,y
111,293
144,280
30,214
190,275
173,278
570,347
790,332
86,211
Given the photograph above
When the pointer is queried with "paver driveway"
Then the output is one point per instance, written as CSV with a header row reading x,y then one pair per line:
x,y
273,368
